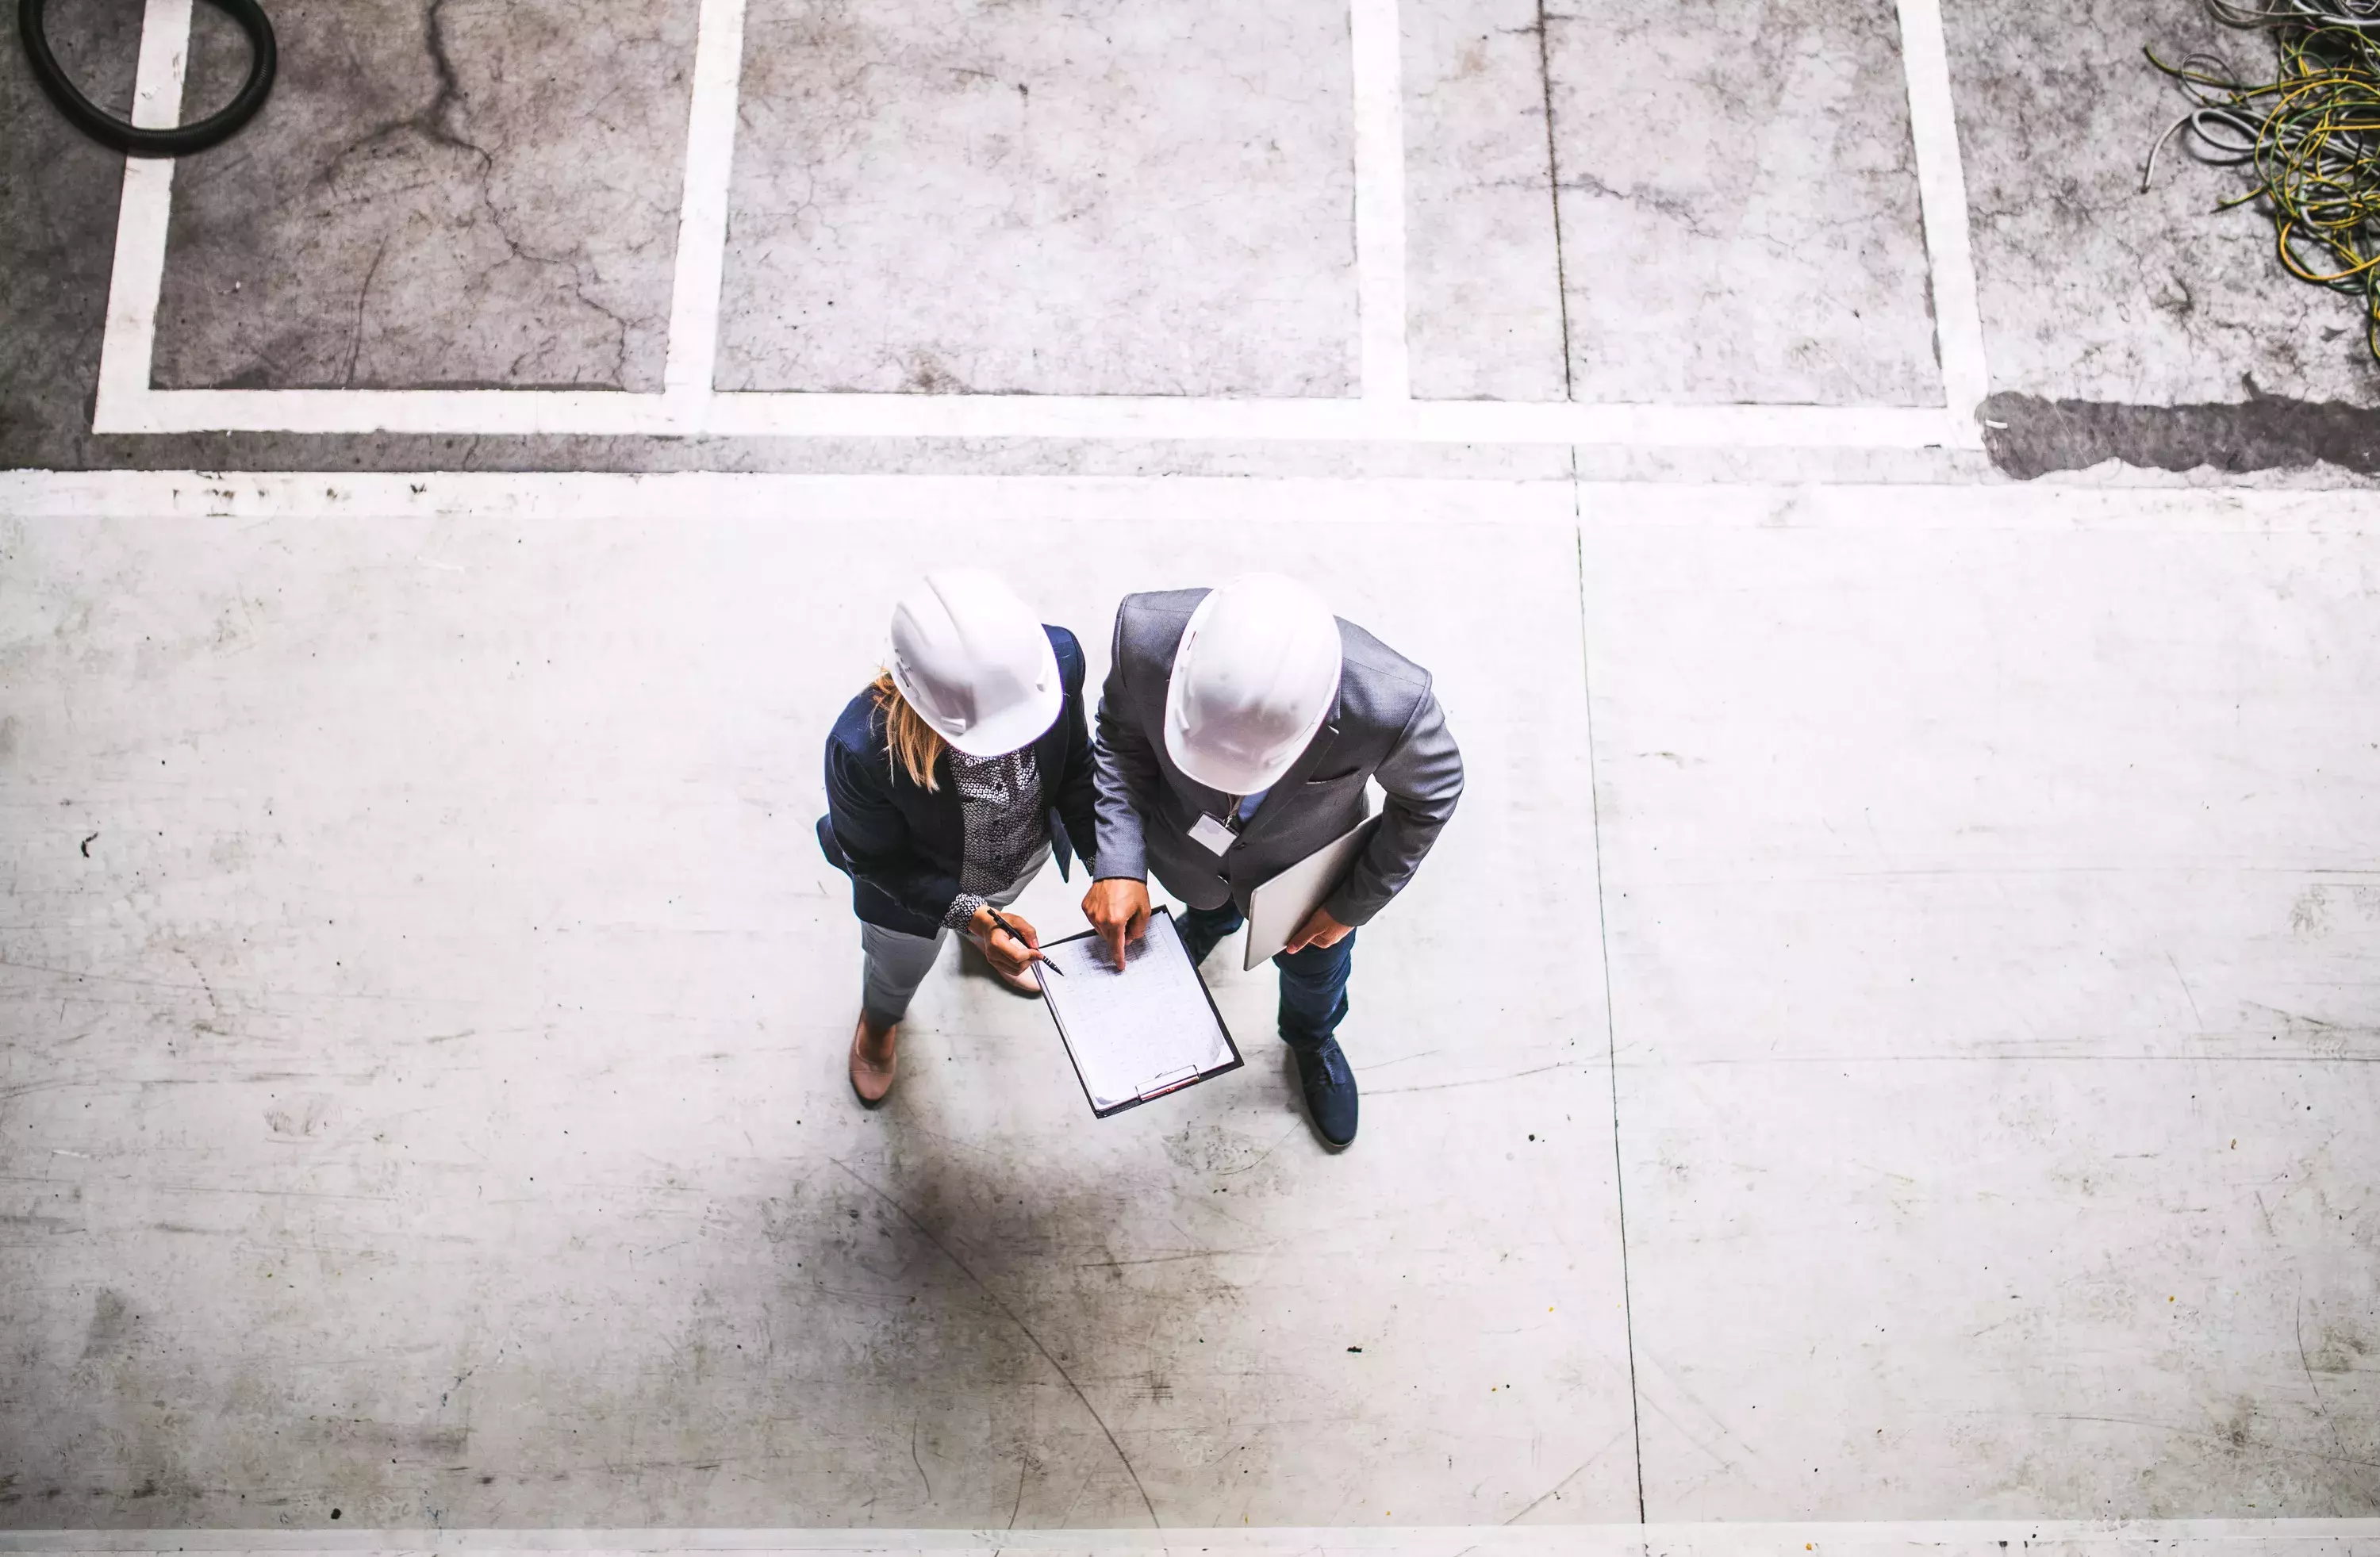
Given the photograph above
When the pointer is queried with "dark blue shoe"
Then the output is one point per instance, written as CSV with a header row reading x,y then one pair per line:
x,y
1330,1093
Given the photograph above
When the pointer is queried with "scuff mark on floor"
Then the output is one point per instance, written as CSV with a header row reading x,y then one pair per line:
x,y
2029,437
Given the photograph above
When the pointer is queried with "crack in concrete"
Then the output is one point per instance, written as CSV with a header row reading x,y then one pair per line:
x,y
1010,1314
355,329
436,123
1682,211
1553,191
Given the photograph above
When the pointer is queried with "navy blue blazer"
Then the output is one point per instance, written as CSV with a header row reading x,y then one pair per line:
x,y
901,847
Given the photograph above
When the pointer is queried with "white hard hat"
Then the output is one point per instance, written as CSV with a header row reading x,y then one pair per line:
x,y
973,660
1257,674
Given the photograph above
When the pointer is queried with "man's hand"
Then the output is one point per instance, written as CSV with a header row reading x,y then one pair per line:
x,y
1002,951
1319,929
1118,910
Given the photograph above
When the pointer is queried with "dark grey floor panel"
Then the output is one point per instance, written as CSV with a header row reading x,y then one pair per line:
x,y
57,228
1484,301
1739,217
2054,112
440,192
1042,198
2092,290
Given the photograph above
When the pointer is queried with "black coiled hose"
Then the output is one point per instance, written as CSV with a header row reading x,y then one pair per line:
x,y
129,139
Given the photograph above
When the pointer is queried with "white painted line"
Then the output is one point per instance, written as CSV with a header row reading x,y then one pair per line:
x,y
603,412
702,208
1366,420
146,496
1379,50
1942,197
129,344
596,412
1735,1540
1385,414
140,495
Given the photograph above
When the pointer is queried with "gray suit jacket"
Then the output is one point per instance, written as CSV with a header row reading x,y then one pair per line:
x,y
1386,725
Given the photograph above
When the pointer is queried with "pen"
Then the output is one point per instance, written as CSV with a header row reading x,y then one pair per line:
x,y
1022,941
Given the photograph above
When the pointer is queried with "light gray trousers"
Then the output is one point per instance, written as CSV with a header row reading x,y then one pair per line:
x,y
894,962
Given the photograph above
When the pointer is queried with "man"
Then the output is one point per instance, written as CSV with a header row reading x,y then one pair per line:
x,y
1236,731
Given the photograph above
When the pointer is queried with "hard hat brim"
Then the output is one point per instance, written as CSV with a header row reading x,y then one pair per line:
x,y
1233,778
1018,726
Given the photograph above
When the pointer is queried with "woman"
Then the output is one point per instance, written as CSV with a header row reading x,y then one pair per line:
x,y
949,782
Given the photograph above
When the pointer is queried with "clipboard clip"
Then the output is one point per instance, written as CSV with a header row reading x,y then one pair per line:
x,y
1170,1080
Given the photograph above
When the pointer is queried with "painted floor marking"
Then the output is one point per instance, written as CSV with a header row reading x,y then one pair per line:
x,y
702,207
1942,203
1378,73
695,496
689,406
138,279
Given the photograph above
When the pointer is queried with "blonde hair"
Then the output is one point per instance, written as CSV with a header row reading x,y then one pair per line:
x,y
911,745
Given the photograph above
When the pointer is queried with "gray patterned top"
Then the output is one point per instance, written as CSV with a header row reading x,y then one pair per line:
x,y
1000,809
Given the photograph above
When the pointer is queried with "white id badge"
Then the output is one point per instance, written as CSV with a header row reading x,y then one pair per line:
x,y
1213,836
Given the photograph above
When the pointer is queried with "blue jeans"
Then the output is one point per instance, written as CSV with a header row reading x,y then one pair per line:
x,y
1313,982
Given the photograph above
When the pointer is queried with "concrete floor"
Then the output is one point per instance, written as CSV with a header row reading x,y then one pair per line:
x,y
452,194
1042,198
1697,204
424,1097
1886,1040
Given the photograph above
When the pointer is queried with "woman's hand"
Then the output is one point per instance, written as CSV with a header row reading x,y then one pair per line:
x,y
1007,953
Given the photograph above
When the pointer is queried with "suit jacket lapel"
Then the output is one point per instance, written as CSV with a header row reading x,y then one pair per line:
x,y
1050,760
1276,804
1213,802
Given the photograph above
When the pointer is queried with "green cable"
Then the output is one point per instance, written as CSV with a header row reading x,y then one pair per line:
x,y
2310,134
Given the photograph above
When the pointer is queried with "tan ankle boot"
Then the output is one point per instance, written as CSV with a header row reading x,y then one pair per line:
x,y
871,1082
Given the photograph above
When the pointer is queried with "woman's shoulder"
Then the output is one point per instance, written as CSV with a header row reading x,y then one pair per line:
x,y
859,728
1070,654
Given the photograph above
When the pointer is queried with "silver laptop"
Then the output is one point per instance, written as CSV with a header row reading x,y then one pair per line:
x,y
1278,907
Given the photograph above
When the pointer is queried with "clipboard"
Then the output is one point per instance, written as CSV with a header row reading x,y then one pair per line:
x,y
1118,1064
1281,902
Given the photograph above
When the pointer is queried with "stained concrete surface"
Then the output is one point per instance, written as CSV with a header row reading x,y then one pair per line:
x,y
2092,290
2069,260
1739,203
1039,197
1737,217
439,192
2245,1537
2029,436
57,230
424,1093
1483,293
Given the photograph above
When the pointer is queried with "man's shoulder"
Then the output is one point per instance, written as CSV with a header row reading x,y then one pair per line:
x,y
1159,605
1150,626
1377,684
1369,658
